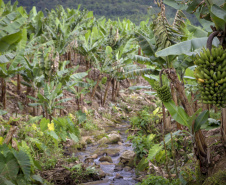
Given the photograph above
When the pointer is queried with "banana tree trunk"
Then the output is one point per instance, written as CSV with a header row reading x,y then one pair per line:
x,y
46,111
95,87
223,125
18,84
69,58
87,65
75,58
113,89
81,101
106,91
117,88
34,108
77,99
61,110
27,93
163,118
3,98
200,145
174,96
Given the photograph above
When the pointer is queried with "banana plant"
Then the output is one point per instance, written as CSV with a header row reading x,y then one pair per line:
x,y
89,44
63,27
51,99
213,12
78,87
12,41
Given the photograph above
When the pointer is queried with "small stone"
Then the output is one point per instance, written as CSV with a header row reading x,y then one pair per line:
x,y
106,158
118,176
127,145
105,163
128,155
118,167
127,168
94,156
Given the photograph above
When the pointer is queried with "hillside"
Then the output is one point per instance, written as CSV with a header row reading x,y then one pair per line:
x,y
135,10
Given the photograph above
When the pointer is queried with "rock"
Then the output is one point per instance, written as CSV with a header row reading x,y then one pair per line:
x,y
105,163
95,182
106,158
101,173
118,167
114,132
81,145
127,158
127,168
108,122
89,160
128,145
118,176
94,156
110,139
113,138
128,155
112,152
120,143
87,139
102,141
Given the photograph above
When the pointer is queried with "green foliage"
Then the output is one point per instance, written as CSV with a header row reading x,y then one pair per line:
x,y
177,112
187,175
200,120
145,121
43,142
51,98
80,173
142,144
135,10
211,124
81,117
15,167
155,151
186,47
39,145
66,128
158,180
218,178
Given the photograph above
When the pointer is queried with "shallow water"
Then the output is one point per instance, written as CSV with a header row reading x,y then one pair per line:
x,y
109,169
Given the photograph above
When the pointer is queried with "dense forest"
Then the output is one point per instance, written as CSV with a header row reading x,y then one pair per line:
x,y
135,10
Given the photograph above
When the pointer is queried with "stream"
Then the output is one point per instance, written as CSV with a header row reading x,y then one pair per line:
x,y
114,174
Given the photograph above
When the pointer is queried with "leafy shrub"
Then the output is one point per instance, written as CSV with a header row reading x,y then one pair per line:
x,y
81,173
158,180
43,142
66,128
15,168
218,178
145,121
142,144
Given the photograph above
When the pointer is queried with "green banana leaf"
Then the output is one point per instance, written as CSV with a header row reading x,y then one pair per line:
x,y
186,47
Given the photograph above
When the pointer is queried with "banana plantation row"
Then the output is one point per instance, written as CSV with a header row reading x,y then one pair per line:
x,y
44,52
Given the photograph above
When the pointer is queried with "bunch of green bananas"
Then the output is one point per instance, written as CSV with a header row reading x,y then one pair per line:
x,y
211,75
163,92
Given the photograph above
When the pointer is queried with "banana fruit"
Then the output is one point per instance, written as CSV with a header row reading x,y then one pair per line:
x,y
211,75
163,92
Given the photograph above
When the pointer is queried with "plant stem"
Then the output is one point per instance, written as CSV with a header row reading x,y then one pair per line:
x,y
167,161
3,98
173,154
